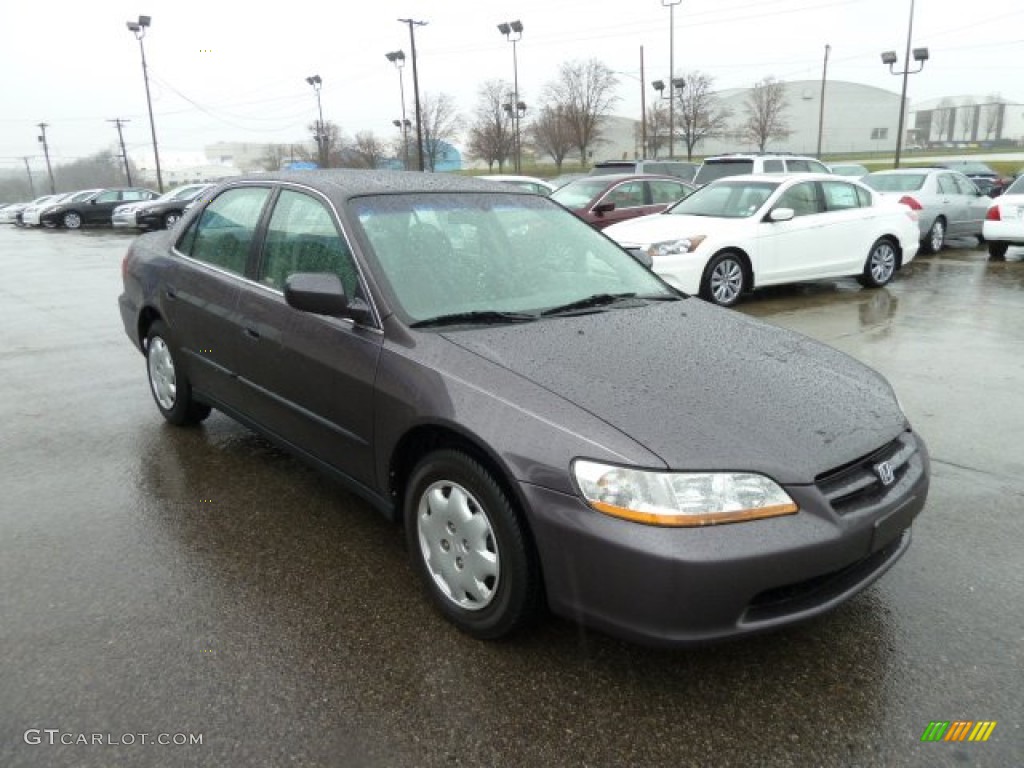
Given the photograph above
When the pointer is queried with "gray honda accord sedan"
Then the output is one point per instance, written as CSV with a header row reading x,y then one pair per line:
x,y
552,424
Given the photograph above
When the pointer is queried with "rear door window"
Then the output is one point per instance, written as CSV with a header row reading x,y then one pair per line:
x,y
773,166
840,196
222,236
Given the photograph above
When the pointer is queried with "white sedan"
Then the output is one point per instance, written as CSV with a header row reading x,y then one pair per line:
x,y
1004,222
745,232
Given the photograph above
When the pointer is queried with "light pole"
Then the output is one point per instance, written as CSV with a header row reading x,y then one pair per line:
x,y
821,106
678,84
398,59
515,111
321,138
46,151
890,58
416,89
139,29
513,32
671,70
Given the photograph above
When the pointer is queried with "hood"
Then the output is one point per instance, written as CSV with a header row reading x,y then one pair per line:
x,y
654,229
704,388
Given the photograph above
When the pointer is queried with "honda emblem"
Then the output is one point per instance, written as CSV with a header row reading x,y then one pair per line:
x,y
885,473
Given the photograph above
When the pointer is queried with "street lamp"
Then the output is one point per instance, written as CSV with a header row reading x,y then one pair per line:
x,y
671,4
138,28
398,59
678,84
513,32
321,138
889,58
416,88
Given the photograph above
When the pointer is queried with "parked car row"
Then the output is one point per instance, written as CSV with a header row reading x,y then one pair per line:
x,y
134,207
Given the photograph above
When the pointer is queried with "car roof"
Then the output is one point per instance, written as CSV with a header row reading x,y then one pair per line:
x,y
611,178
347,183
783,177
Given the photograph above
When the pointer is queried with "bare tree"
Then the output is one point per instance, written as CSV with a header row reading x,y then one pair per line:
x,y
552,134
943,121
367,151
441,125
993,110
103,169
275,157
585,90
657,129
965,118
698,114
766,106
335,144
491,136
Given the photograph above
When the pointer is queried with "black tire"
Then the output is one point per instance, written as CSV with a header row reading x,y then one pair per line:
x,y
449,542
881,264
169,386
997,250
71,220
171,218
724,280
936,237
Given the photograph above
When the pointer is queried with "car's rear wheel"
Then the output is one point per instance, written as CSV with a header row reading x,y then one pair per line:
x,y
997,250
936,236
171,218
170,387
72,220
470,546
724,280
880,265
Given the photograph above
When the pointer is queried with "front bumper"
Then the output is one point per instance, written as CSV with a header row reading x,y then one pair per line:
x,y
124,220
678,587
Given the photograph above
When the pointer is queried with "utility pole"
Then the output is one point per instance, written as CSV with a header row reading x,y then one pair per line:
x,y
31,184
821,106
416,88
124,154
46,151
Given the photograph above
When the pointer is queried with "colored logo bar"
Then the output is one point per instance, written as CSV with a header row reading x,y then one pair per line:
x,y
958,730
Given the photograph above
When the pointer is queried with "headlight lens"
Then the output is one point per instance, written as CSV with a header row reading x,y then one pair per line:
x,y
680,499
674,247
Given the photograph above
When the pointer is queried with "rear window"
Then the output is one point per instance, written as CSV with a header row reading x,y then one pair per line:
x,y
895,182
609,167
719,169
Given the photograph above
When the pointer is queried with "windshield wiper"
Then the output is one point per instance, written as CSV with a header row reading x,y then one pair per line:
x,y
476,317
602,300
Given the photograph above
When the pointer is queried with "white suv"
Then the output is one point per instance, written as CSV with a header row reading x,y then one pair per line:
x,y
738,164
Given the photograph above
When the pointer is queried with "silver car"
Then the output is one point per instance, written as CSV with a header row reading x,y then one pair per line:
x,y
948,204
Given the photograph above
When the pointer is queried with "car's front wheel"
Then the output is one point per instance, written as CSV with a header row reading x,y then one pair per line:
x,y
997,250
72,220
936,236
170,387
470,546
880,265
724,280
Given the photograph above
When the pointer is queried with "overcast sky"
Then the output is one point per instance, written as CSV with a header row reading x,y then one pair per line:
x,y
223,70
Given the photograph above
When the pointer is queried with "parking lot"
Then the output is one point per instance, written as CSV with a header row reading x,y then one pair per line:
x,y
174,582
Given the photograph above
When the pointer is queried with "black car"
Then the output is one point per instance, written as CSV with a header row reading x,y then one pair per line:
x,y
161,213
96,210
552,422
988,181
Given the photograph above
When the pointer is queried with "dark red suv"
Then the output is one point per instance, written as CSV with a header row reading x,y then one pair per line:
x,y
605,200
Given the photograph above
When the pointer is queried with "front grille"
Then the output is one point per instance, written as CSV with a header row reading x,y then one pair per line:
x,y
858,484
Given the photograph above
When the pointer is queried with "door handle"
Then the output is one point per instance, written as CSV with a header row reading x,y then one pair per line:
x,y
252,333
170,293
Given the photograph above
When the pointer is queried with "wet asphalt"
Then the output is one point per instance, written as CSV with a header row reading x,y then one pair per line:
x,y
156,581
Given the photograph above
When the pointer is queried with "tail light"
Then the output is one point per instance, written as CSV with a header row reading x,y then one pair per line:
x,y
993,214
911,202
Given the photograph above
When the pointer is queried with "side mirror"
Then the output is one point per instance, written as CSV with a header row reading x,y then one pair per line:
x,y
321,293
603,208
781,214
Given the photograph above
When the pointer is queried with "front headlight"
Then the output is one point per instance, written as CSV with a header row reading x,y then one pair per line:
x,y
680,499
675,247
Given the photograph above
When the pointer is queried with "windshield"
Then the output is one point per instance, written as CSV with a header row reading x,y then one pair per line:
x,y
726,199
972,168
1017,188
895,182
183,193
85,194
721,168
576,194
445,254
